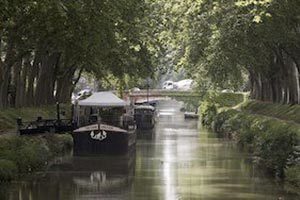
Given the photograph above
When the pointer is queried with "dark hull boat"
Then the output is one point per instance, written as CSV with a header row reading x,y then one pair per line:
x,y
191,115
144,117
105,139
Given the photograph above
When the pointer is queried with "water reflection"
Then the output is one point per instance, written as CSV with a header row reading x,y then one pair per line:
x,y
178,160
146,134
80,178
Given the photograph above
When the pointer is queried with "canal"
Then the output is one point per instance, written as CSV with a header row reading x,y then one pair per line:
x,y
178,160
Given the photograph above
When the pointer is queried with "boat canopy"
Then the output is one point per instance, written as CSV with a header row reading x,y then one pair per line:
x,y
103,99
144,107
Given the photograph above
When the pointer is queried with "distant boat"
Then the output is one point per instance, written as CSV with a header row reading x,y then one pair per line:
x,y
191,115
144,116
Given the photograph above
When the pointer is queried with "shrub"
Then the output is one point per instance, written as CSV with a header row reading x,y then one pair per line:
x,y
292,175
274,143
240,125
59,144
30,153
221,119
229,99
26,152
8,170
208,112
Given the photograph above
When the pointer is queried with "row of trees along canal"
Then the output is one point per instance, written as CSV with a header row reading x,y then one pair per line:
x,y
45,45
222,42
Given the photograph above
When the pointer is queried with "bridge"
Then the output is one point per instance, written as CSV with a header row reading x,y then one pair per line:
x,y
158,94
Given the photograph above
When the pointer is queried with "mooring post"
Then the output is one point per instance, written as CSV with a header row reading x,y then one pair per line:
x,y
19,124
57,111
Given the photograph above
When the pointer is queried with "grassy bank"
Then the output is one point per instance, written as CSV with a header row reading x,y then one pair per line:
x,y
8,116
215,102
26,154
284,112
271,132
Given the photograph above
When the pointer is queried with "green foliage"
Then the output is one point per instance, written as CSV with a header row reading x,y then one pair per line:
x,y
64,38
225,44
8,170
213,102
229,99
220,126
30,153
208,111
27,153
224,99
271,141
59,144
292,175
274,143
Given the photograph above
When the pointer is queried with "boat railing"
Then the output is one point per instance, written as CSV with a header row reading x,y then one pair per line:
x,y
44,125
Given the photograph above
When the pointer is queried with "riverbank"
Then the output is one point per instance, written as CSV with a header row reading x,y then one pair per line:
x,y
9,116
271,132
26,154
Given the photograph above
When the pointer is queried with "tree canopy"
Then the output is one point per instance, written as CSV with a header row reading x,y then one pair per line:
x,y
46,45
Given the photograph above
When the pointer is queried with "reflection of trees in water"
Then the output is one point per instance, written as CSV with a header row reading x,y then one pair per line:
x,y
3,191
77,177
99,177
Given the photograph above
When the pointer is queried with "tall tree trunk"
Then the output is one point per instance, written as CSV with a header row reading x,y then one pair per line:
x,y
44,94
64,86
6,74
17,83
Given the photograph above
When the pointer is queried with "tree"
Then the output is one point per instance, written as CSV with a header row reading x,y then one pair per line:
x,y
225,39
46,45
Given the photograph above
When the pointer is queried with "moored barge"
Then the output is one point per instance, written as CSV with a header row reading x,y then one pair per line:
x,y
106,125
95,139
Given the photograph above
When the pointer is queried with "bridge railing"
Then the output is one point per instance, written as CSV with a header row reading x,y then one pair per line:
x,y
162,92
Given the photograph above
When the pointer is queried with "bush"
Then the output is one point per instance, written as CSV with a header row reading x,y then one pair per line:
x,y
208,112
292,175
8,170
219,124
59,144
26,152
31,153
272,141
229,99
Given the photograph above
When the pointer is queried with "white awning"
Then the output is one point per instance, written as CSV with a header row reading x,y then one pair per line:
x,y
103,99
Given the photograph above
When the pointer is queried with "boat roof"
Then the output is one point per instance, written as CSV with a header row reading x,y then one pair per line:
x,y
103,127
144,107
103,99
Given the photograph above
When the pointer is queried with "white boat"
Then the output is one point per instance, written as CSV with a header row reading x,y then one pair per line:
x,y
191,115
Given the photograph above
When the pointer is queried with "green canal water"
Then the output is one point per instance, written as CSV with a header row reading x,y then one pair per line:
x,y
178,160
